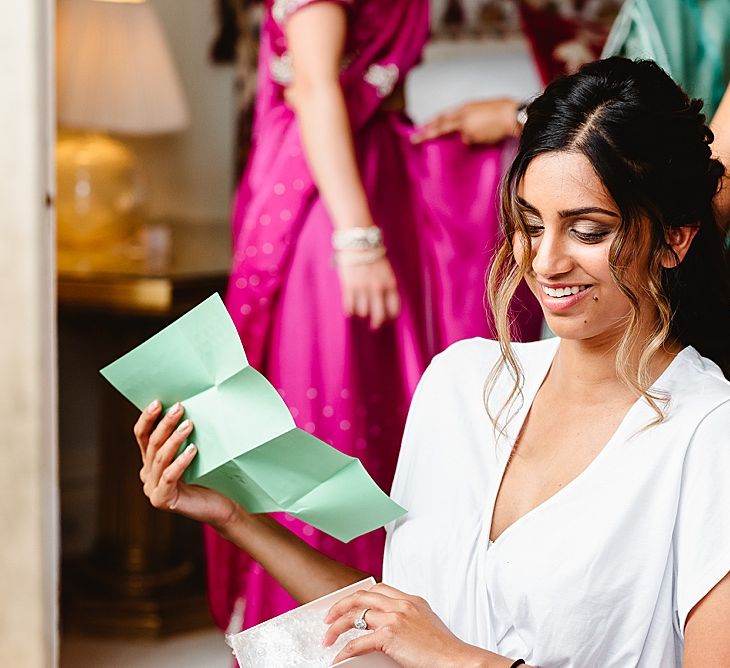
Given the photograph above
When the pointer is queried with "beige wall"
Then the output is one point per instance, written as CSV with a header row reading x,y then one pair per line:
x,y
191,173
28,500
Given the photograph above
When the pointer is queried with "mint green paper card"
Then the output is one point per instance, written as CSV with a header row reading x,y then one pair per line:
x,y
248,445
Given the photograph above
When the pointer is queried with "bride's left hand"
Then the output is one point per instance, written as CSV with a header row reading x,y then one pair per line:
x,y
403,627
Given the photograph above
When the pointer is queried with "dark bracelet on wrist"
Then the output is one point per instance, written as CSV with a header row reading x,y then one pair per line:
x,y
519,662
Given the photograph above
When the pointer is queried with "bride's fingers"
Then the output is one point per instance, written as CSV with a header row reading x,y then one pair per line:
x,y
166,493
358,601
145,424
364,644
162,431
375,619
166,453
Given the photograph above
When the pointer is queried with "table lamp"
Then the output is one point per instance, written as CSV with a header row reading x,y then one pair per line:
x,y
115,76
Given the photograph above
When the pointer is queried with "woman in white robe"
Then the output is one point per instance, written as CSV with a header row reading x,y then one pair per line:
x,y
568,500
605,570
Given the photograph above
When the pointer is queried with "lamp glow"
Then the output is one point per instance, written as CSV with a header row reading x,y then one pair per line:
x,y
115,75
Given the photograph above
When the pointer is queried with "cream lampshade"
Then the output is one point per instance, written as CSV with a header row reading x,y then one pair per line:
x,y
115,75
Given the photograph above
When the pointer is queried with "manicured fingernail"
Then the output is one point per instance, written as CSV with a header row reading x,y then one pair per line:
x,y
184,425
191,449
153,406
175,409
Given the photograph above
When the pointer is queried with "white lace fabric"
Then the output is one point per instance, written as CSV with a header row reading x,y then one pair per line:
x,y
293,639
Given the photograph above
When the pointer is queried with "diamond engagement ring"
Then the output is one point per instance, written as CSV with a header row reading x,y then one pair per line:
x,y
360,623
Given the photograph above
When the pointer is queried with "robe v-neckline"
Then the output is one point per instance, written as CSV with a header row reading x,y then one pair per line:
x,y
516,427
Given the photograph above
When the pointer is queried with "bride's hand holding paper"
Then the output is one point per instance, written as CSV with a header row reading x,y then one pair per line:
x,y
247,445
160,439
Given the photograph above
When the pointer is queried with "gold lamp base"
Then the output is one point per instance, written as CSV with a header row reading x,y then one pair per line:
x,y
100,191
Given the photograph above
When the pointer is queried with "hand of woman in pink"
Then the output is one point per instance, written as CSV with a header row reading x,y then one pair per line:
x,y
482,122
404,628
369,290
161,472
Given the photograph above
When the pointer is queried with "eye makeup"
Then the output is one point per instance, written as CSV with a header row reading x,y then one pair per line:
x,y
584,230
591,234
533,225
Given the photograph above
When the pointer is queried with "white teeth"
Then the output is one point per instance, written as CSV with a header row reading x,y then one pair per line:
x,y
563,292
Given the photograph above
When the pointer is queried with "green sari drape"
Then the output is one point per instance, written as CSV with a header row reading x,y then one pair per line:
x,y
690,39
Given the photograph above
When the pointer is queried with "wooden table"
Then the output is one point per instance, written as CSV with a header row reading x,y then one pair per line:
x,y
144,576
181,265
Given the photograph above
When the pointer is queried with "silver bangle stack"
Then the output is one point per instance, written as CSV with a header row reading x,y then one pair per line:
x,y
367,242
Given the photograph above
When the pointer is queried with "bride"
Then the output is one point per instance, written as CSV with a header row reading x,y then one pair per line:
x,y
567,499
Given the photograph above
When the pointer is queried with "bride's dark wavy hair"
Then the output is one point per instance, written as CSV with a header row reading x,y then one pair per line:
x,y
649,144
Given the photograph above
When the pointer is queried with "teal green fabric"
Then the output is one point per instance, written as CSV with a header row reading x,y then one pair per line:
x,y
689,39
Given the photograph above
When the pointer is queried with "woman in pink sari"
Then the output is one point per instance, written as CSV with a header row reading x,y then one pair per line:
x,y
345,334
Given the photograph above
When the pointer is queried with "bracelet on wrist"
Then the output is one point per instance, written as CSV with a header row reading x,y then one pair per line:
x,y
519,662
368,256
357,238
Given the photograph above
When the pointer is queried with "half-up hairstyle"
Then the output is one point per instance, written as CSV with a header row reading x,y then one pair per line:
x,y
650,146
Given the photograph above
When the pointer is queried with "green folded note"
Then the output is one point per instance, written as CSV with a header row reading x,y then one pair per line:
x,y
248,445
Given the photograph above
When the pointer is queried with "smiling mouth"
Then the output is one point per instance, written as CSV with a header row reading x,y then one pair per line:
x,y
565,291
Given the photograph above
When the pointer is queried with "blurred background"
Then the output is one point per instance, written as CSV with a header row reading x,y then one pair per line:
x,y
132,119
